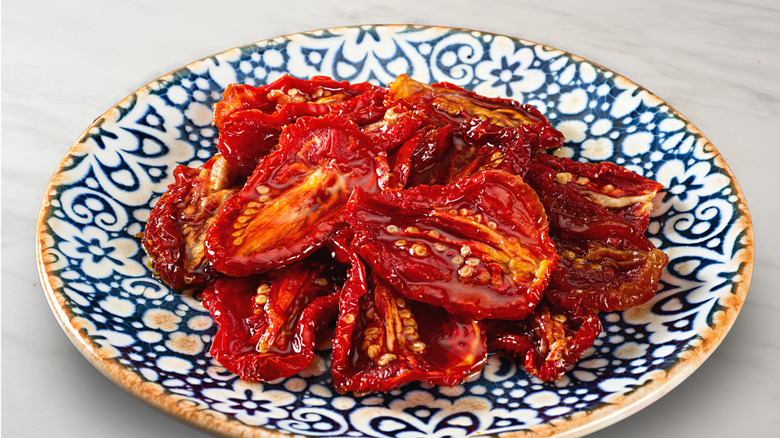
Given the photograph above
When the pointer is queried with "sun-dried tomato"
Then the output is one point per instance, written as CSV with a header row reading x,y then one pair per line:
x,y
268,324
393,129
550,341
250,119
478,247
459,235
594,275
506,149
418,160
604,190
382,340
598,214
447,104
295,198
464,133
176,228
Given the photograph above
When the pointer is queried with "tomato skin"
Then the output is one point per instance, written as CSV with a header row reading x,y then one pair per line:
x,y
596,276
478,247
594,191
550,341
248,136
250,119
605,261
382,341
462,133
173,237
447,104
295,198
418,160
273,337
507,149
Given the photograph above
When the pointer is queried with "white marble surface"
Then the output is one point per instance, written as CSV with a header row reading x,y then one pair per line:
x,y
65,63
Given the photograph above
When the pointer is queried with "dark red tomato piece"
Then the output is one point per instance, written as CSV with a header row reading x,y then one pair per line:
x,y
268,324
622,193
506,149
574,214
550,341
596,276
445,103
248,136
382,340
419,159
295,198
174,233
605,261
250,119
395,128
478,247
442,155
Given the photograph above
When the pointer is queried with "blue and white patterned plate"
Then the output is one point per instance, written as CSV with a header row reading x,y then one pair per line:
x,y
154,342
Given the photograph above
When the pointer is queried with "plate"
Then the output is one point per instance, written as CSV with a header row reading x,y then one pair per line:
x,y
154,342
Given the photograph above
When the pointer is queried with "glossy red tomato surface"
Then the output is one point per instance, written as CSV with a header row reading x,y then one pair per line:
x,y
383,340
478,247
295,198
416,228
268,324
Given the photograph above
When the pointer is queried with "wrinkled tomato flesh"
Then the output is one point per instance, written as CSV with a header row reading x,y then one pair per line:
x,y
550,341
250,119
175,231
478,247
295,198
382,340
451,234
268,324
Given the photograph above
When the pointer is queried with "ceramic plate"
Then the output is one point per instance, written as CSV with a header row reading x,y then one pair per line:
x,y
154,342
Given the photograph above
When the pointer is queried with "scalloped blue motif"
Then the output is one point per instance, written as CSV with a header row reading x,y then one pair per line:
x,y
112,177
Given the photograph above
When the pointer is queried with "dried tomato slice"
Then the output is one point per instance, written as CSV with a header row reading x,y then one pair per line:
x,y
478,247
250,119
383,341
506,149
445,103
268,324
393,129
551,341
594,275
464,133
174,233
295,198
316,96
248,136
598,214
616,191
418,160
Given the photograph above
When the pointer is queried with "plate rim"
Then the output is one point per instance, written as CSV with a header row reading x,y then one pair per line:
x,y
578,424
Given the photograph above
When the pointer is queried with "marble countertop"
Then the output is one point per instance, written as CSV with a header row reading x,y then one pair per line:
x,y
65,63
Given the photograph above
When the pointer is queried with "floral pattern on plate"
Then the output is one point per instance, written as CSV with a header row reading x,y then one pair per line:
x,y
154,342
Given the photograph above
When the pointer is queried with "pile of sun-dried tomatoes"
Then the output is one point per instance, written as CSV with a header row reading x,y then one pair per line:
x,y
415,228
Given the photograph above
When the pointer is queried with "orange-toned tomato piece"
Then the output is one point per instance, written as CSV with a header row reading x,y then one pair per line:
x,y
295,198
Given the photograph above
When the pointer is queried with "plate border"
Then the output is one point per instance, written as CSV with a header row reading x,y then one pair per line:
x,y
578,424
